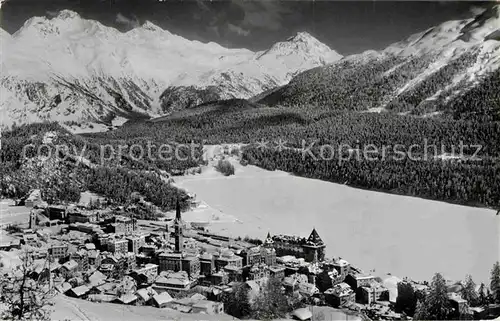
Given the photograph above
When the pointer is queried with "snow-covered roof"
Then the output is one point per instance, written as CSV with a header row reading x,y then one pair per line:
x,y
162,298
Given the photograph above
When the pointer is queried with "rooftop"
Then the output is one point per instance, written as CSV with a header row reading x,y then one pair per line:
x,y
162,298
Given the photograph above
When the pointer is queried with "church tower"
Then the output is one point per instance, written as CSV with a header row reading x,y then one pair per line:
x,y
268,242
314,248
33,219
179,241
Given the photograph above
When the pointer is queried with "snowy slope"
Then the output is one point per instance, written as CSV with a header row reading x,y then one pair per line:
x,y
71,69
429,68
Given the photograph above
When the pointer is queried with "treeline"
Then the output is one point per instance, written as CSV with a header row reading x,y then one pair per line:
x,y
471,182
335,127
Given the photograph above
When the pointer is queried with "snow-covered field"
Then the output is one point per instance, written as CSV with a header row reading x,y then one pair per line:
x,y
10,214
401,235
66,308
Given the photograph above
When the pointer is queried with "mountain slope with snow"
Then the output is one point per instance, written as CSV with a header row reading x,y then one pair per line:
x,y
74,70
423,74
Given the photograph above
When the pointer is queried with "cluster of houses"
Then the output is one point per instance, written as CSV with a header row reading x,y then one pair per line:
x,y
107,257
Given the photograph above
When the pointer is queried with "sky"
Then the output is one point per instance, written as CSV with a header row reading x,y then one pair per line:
x,y
346,26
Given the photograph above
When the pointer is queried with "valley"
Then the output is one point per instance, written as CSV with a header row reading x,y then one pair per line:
x,y
391,155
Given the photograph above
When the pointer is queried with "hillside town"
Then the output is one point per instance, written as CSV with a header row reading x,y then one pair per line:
x,y
107,255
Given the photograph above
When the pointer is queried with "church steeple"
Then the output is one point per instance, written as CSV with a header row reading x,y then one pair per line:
x,y
179,241
314,238
268,242
177,210
314,247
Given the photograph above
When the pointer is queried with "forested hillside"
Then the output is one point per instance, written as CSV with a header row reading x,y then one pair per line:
x,y
45,156
449,71
433,175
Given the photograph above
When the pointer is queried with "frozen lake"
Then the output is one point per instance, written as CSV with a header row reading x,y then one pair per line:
x,y
402,235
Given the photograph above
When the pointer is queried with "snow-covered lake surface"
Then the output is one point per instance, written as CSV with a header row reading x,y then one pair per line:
x,y
401,235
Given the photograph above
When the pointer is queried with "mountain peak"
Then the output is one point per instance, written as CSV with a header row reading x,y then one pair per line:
x,y
148,25
67,15
303,36
305,45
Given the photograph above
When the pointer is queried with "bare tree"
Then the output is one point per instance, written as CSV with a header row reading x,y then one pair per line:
x,y
26,295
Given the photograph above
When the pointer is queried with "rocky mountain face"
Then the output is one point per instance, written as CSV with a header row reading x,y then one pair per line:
x,y
448,70
75,70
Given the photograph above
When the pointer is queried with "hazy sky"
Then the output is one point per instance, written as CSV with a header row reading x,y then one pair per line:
x,y
346,26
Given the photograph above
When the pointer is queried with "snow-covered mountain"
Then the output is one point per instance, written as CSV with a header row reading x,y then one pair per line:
x,y
71,69
425,74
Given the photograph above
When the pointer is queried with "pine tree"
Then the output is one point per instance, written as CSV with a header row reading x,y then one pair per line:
x,y
421,311
482,296
495,282
237,302
435,306
469,291
271,303
407,298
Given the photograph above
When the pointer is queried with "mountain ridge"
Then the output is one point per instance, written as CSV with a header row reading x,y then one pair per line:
x,y
96,70
422,74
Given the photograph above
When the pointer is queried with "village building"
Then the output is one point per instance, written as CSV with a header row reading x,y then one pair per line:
x,y
117,245
149,272
251,256
342,266
372,292
227,258
56,212
94,257
58,251
63,287
219,278
126,299
175,282
135,242
145,295
208,307
291,283
307,289
119,224
113,243
77,216
80,292
311,249
170,262
258,271
277,272
234,274
68,269
340,295
357,280
258,254
207,264
96,279
162,300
